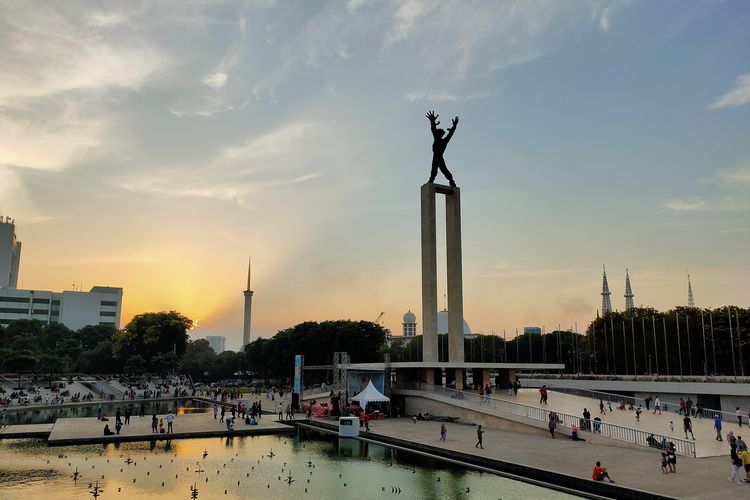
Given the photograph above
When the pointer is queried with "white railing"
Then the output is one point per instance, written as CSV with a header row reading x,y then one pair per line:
x,y
628,400
618,432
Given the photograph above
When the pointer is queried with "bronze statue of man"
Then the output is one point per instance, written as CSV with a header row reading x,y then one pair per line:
x,y
438,147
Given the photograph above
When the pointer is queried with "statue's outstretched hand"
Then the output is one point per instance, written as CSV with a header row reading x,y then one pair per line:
x,y
455,122
432,116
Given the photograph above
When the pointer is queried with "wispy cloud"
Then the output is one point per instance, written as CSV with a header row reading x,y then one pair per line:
x,y
727,203
693,204
736,96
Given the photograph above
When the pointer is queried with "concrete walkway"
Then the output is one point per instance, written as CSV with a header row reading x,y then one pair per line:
x,y
696,478
706,444
70,431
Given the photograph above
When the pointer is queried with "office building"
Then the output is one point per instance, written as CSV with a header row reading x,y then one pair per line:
x,y
217,342
10,253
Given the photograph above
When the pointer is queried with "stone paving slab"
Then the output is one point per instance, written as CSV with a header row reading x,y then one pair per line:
x,y
26,430
696,478
87,430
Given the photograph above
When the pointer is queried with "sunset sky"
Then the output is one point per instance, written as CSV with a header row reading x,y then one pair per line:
x,y
157,145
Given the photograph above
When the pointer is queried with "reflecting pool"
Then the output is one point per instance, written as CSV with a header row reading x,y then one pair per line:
x,y
306,464
49,415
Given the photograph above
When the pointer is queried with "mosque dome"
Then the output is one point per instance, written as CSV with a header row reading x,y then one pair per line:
x,y
410,317
442,324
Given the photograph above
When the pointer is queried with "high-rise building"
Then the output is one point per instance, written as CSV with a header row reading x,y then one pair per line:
x,y
606,302
628,292
410,324
10,253
99,306
248,309
217,342
532,330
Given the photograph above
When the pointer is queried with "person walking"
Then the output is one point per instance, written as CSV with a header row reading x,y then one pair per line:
x,y
216,410
745,456
510,389
638,412
602,411
443,432
657,405
682,407
223,412
154,423
738,412
552,426
671,459
717,426
741,445
689,407
480,431
687,426
736,468
142,413
600,473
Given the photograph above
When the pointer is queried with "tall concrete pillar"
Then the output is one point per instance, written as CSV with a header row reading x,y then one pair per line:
x,y
455,276
429,275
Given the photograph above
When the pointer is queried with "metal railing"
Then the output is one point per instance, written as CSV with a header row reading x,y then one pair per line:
x,y
613,431
629,400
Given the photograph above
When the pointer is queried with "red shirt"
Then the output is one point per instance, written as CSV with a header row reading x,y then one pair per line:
x,y
596,473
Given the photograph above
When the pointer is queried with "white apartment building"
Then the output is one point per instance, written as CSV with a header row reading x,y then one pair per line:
x,y
99,306
10,253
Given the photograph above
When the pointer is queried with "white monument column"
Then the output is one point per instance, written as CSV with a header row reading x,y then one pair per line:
x,y
248,309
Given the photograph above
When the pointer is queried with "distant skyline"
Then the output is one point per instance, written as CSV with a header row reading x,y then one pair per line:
x,y
155,146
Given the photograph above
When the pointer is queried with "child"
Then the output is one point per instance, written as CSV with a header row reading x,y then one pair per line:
x,y
671,426
638,413
443,432
664,463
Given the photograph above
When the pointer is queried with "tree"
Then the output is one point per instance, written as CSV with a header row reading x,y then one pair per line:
x,y
149,334
92,335
98,360
164,362
51,365
226,364
135,365
198,359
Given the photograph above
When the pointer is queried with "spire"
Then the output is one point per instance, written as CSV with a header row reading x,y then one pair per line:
x,y
691,300
248,273
628,292
606,303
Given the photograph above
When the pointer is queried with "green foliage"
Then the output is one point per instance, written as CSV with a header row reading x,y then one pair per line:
x,y
150,334
273,357
135,365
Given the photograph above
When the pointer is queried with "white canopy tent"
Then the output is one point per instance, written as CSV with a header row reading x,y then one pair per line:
x,y
369,395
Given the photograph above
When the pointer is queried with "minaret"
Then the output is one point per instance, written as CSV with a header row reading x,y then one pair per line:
x,y
628,292
691,300
248,309
606,302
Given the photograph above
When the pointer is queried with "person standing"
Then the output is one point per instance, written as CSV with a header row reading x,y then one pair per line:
x,y
128,411
739,416
154,423
281,411
689,407
601,407
480,431
671,459
223,412
216,410
443,432
170,421
741,445
587,419
717,426
745,456
682,407
647,399
510,389
552,426
687,426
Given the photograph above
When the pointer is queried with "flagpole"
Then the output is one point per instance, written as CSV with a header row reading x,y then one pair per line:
x,y
518,356
593,363
731,341
531,348
739,343
559,349
505,347
679,345
645,351
666,346
614,356
606,345
544,346
690,352
632,337
705,357
713,343
656,348
624,347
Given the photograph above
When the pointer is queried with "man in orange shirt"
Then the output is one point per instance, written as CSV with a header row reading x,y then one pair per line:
x,y
600,473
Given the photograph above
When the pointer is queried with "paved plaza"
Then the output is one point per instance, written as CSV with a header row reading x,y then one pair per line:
x,y
706,444
639,468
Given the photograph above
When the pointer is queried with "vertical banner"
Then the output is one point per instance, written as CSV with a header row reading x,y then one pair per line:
x,y
299,363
